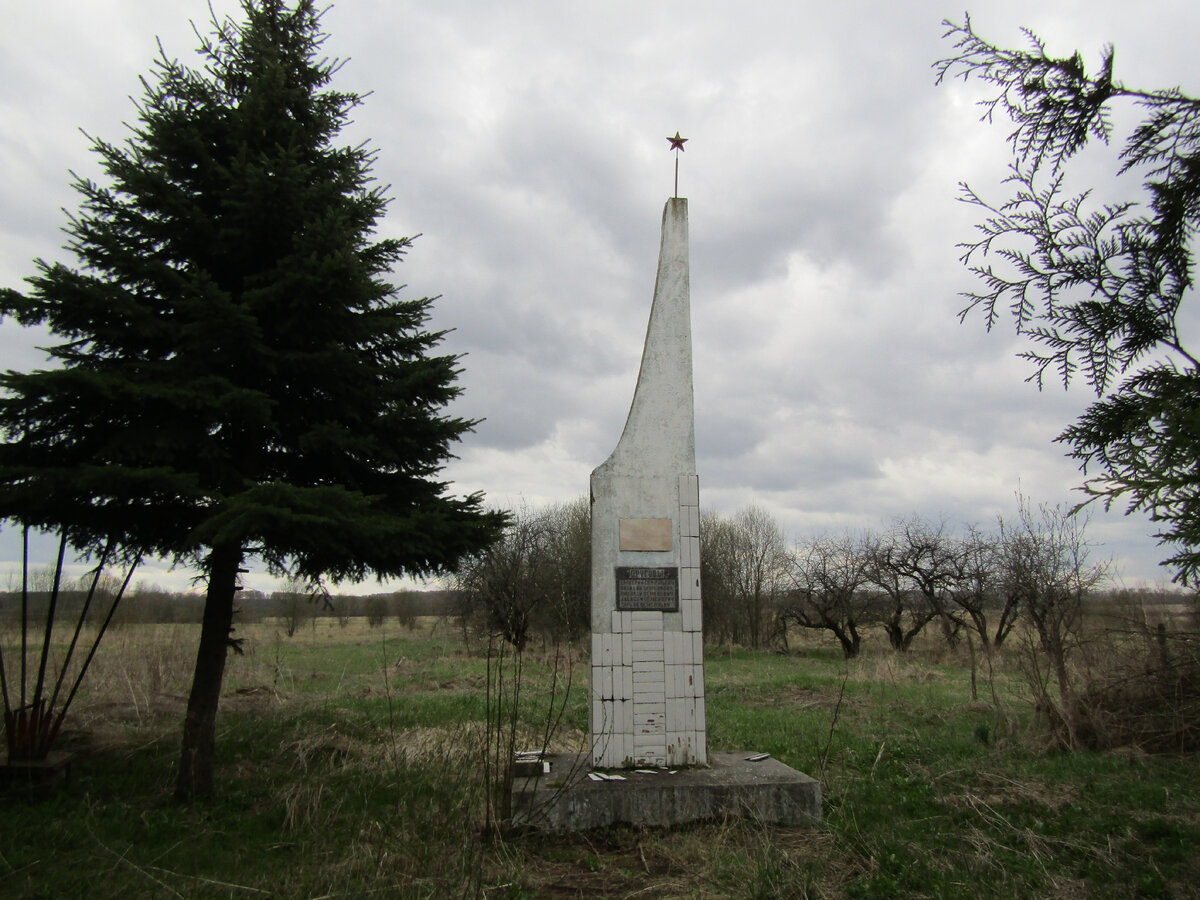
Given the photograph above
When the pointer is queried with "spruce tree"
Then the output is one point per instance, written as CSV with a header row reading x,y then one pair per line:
x,y
234,376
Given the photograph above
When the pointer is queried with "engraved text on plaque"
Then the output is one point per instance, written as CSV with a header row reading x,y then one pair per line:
x,y
648,587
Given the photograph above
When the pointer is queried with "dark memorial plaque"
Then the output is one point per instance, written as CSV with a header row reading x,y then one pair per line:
x,y
648,587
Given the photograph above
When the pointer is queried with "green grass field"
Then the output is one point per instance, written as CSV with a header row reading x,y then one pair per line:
x,y
351,766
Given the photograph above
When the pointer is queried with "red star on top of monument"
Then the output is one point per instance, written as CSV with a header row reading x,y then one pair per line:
x,y
677,142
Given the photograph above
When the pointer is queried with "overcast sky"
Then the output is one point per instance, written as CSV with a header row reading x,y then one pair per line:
x,y
525,142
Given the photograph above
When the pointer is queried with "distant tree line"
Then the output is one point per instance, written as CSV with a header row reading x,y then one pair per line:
x,y
974,584
916,574
292,608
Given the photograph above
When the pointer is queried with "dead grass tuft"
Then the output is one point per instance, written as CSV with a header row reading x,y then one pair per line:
x,y
993,789
444,745
1142,692
894,668
730,859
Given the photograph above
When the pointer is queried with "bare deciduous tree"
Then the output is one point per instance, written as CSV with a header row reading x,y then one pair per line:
x,y
717,550
567,615
829,575
744,564
536,578
908,566
979,591
1046,569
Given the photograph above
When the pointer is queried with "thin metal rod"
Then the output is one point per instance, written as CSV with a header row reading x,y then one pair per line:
x,y
4,684
24,606
95,645
87,604
676,174
50,610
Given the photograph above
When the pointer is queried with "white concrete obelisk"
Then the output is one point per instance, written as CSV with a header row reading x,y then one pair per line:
x,y
647,672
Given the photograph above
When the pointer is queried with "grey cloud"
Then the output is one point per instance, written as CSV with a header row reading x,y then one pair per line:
x,y
525,141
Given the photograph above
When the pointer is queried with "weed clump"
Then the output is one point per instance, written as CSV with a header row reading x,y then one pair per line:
x,y
1142,690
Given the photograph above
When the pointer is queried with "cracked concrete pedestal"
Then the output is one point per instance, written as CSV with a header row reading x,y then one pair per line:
x,y
730,786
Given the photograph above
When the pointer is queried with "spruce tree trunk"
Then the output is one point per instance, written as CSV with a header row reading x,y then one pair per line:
x,y
200,724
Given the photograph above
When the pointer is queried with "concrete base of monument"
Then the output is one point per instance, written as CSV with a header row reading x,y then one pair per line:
x,y
741,785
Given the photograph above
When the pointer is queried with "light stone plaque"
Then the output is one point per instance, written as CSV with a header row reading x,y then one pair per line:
x,y
654,535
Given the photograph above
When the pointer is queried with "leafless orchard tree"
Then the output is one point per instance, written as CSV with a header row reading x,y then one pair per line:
x,y
295,604
910,565
567,615
761,565
829,575
536,578
1046,568
955,580
972,596
744,568
505,583
717,552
